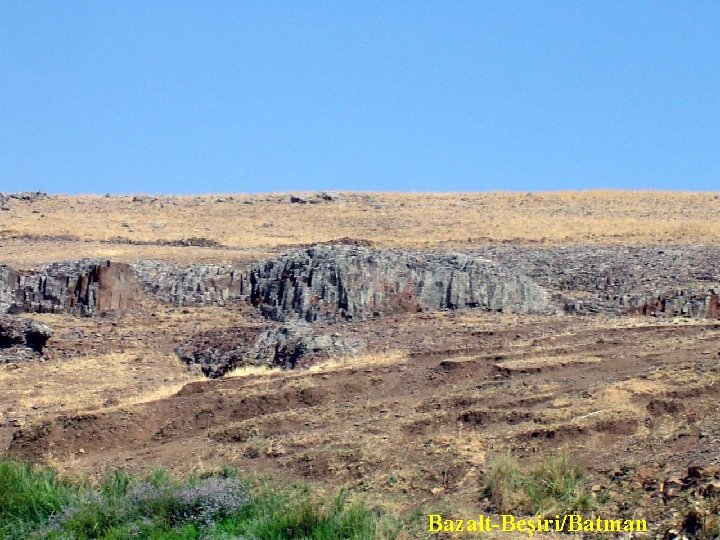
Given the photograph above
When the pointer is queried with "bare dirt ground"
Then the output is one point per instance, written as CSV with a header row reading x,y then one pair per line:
x,y
412,423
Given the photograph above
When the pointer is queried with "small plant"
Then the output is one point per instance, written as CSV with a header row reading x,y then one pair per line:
x,y
201,503
505,483
555,485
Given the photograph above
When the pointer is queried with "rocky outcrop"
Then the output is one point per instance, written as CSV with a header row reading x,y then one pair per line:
x,y
83,287
215,352
315,198
352,282
9,280
287,346
300,344
657,281
198,284
675,303
21,339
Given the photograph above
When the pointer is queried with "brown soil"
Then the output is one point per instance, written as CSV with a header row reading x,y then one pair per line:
x,y
412,424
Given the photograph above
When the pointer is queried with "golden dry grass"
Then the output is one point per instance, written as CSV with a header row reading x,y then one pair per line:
x,y
116,379
254,224
365,361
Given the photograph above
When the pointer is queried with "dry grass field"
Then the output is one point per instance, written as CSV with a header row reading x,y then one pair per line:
x,y
249,226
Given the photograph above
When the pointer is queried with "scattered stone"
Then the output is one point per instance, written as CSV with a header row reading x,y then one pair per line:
x,y
316,198
329,196
144,199
28,196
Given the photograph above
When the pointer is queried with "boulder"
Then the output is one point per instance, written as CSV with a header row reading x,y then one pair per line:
x,y
329,196
215,352
21,339
287,346
298,344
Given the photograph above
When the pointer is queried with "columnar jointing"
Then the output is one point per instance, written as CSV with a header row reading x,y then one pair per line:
x,y
341,282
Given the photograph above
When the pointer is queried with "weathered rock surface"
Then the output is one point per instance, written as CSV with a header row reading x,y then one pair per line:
x,y
315,198
355,281
83,287
199,284
21,339
9,279
352,282
658,281
290,345
217,352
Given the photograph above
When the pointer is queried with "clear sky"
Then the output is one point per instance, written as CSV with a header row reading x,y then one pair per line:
x,y
211,96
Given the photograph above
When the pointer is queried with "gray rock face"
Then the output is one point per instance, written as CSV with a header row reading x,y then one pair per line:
x,y
83,288
352,282
659,281
220,351
355,281
199,284
8,285
289,345
21,339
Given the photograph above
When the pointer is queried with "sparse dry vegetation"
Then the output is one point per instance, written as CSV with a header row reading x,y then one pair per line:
x,y
555,485
251,225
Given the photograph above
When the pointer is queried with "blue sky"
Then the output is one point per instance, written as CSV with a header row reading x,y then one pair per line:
x,y
197,97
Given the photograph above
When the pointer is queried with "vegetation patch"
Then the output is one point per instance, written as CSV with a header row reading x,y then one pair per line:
x,y
36,503
554,485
